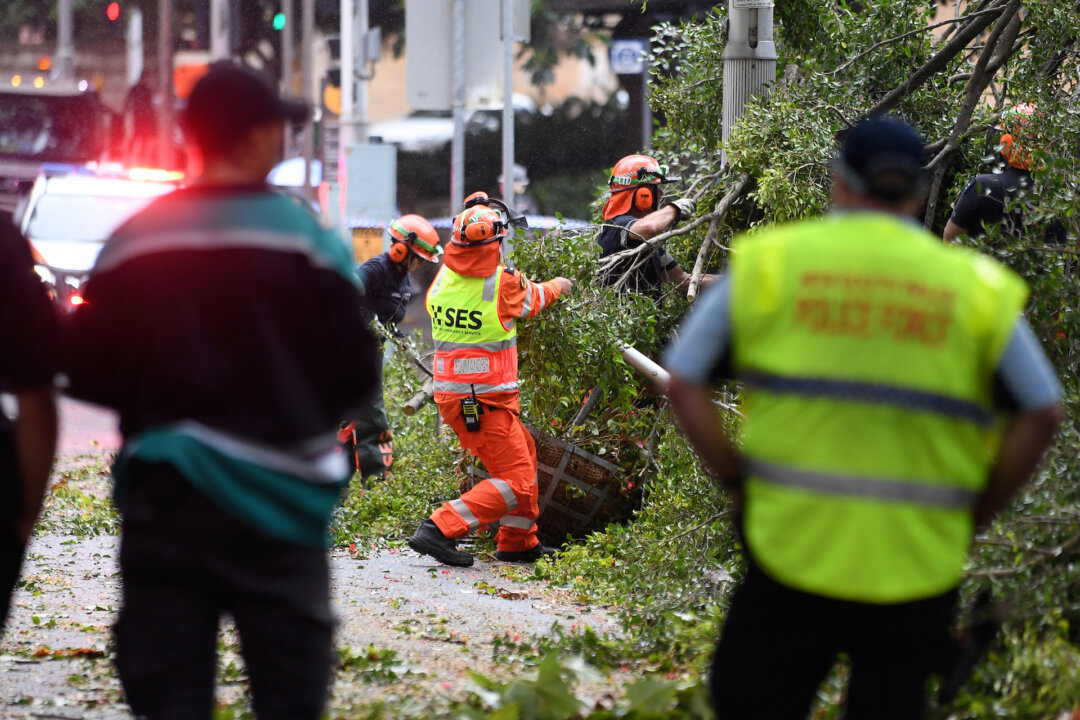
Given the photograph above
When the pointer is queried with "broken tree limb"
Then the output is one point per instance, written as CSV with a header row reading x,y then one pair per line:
x,y
699,263
397,342
718,213
998,47
420,399
968,32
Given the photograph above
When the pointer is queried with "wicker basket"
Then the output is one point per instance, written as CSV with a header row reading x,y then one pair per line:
x,y
579,492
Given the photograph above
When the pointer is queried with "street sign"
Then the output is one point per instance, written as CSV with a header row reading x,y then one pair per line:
x,y
744,4
628,56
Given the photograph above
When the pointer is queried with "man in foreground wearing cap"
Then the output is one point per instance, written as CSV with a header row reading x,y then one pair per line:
x,y
224,324
874,362
475,303
635,213
385,283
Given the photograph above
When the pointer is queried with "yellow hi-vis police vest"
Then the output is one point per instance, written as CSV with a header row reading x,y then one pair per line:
x,y
473,350
866,349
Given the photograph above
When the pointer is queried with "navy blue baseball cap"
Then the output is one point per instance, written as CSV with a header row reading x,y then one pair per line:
x,y
882,158
231,99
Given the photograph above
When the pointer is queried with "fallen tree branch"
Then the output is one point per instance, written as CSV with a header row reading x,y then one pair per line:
x,y
902,36
974,27
990,60
420,399
718,516
718,213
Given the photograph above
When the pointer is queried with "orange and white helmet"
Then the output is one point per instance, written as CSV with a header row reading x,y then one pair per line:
x,y
635,185
412,233
479,225
1013,124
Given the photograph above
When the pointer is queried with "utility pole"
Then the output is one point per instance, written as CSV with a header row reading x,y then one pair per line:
x,y
166,151
220,25
134,42
363,60
307,40
457,145
348,39
287,52
508,102
65,50
749,57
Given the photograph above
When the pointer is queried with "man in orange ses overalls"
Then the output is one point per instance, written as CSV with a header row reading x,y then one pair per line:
x,y
474,303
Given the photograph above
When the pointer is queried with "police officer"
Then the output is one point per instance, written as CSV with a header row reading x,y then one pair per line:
x,y
635,212
874,362
385,281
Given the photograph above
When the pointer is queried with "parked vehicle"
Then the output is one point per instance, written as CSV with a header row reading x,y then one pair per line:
x,y
42,122
68,217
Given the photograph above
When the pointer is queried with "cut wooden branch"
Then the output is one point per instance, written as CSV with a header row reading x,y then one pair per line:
x,y
970,30
420,399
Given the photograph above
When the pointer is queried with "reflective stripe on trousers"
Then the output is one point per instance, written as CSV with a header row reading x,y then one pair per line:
x,y
510,496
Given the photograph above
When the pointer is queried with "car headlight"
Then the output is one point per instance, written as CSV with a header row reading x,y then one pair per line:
x,y
47,276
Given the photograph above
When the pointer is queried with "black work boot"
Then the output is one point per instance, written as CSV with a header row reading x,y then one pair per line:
x,y
429,540
526,556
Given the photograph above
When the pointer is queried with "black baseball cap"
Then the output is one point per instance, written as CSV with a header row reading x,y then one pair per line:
x,y
229,100
882,158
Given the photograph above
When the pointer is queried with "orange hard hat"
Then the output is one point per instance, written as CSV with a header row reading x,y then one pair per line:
x,y
479,225
630,173
417,235
1013,122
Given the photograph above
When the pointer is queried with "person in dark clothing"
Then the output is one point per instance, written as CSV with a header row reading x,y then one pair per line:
x,y
139,112
30,335
385,282
996,198
634,214
224,323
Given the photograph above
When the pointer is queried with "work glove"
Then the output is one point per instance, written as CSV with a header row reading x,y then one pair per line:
x,y
685,206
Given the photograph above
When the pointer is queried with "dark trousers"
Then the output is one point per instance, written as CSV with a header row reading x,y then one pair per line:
x,y
185,563
11,548
778,644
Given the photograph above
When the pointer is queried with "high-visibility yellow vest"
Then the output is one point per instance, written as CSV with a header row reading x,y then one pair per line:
x,y
474,351
866,349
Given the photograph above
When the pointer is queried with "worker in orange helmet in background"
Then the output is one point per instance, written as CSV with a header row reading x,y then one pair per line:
x,y
984,200
475,302
635,211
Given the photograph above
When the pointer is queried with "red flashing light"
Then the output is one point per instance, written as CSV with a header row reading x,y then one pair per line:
x,y
76,300
113,11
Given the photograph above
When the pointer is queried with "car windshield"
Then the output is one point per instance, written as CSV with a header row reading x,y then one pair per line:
x,y
50,128
81,218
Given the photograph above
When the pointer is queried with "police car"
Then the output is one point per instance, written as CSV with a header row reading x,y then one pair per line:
x,y
70,212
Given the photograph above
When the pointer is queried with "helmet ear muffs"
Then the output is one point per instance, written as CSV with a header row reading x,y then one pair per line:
x,y
644,199
399,250
478,231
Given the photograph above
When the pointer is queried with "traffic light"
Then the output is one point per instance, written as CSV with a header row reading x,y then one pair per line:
x,y
279,21
112,11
